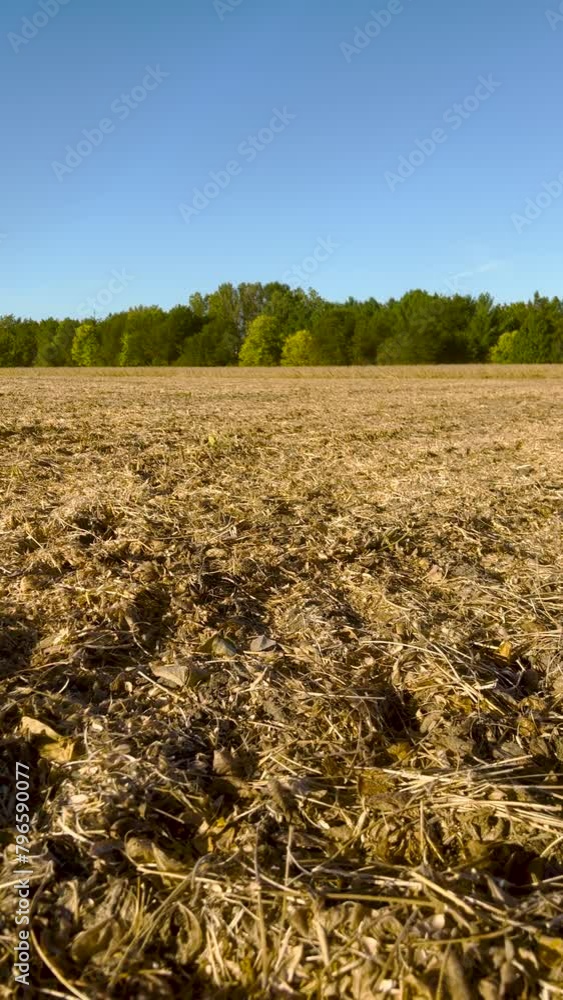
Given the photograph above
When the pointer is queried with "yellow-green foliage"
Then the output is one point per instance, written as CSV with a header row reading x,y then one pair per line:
x,y
84,351
503,351
298,349
263,343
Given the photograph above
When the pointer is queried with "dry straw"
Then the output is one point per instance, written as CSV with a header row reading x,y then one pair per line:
x,y
283,654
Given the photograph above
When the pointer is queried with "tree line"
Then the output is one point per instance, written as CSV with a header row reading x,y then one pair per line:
x,y
274,324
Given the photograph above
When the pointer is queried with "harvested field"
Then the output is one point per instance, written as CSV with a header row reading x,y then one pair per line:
x,y
283,653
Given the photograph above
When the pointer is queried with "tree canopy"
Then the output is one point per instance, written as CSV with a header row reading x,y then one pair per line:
x,y
271,324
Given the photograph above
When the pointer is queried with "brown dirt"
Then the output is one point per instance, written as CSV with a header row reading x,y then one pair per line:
x,y
364,802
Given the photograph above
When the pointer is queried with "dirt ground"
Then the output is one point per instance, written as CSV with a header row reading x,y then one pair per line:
x,y
282,652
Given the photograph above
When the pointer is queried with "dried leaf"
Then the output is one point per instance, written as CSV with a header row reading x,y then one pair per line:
x,y
262,644
94,940
34,727
435,574
283,798
220,647
142,852
374,781
51,746
400,750
175,674
225,763
60,751
189,936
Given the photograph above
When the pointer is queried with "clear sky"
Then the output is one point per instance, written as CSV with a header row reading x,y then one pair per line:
x,y
347,96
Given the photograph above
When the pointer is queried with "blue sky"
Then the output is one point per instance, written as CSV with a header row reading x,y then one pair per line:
x,y
349,96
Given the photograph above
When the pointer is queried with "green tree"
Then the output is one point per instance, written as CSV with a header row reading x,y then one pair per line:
x,y
253,300
298,349
46,333
19,340
7,341
263,343
110,334
482,329
540,337
293,308
199,304
61,347
144,338
236,307
85,346
25,346
503,351
292,326
372,329
181,325
512,316
332,333
215,344
224,304
427,329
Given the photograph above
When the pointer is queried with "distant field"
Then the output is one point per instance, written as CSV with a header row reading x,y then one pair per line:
x,y
297,637
360,371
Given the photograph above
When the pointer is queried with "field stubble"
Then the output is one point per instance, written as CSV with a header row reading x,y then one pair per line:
x,y
283,652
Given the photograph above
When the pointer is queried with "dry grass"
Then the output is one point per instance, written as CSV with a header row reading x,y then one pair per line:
x,y
369,805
